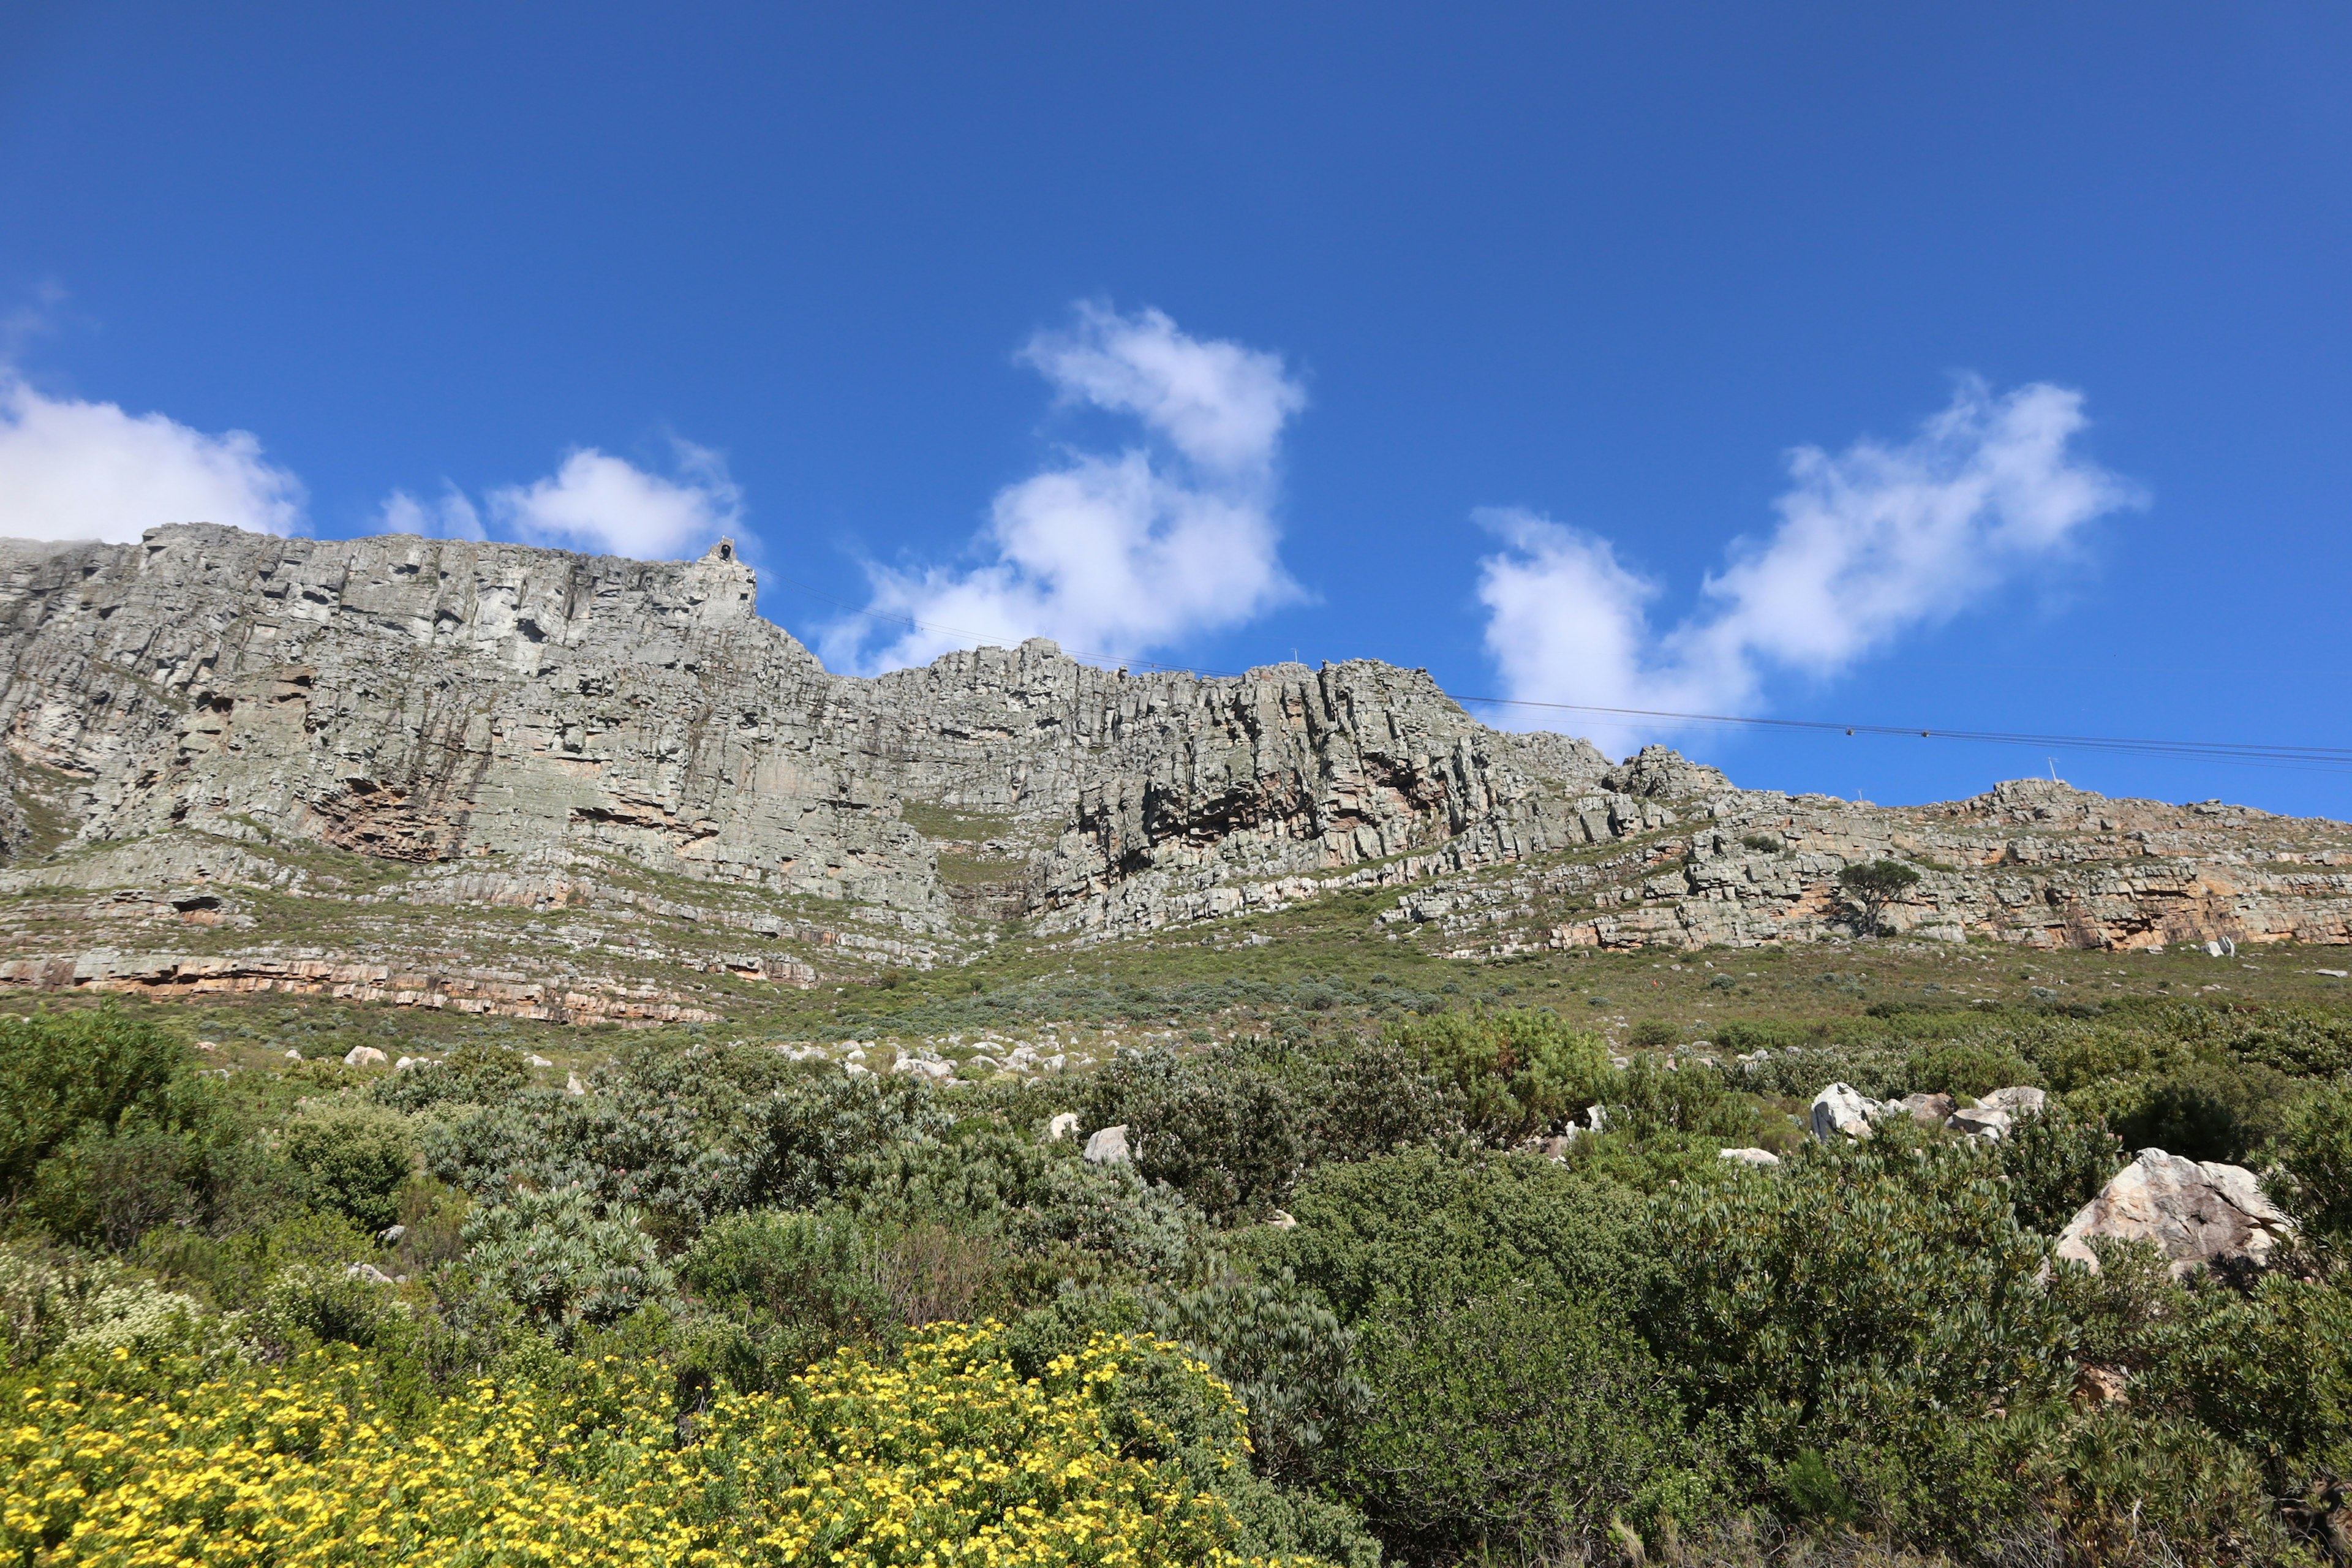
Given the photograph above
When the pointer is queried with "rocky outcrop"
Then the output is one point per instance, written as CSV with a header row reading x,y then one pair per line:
x,y
208,721
2197,1213
433,701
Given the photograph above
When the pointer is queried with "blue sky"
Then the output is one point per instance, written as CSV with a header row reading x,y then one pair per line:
x,y
1492,340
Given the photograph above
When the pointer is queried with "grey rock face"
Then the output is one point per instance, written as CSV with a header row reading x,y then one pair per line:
x,y
1839,1110
1980,1122
184,720
435,702
1929,1109
1107,1146
2018,1102
2196,1212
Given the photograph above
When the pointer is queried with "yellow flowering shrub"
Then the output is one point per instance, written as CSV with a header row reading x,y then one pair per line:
x,y
944,1456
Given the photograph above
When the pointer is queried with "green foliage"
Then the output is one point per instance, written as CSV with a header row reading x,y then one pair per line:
x,y
1494,1354
2316,1151
470,1075
1287,1357
1874,885
1652,1034
1520,1071
562,1263
1966,1068
1375,1099
357,1157
1423,1228
1880,1070
1230,1140
63,1074
1646,1101
2055,1163
2269,1370
1861,1298
2207,1109
789,1290
1511,1427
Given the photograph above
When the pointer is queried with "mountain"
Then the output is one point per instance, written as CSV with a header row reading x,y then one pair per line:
x,y
523,780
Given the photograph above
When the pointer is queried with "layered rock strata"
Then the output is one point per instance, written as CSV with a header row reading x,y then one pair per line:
x,y
199,729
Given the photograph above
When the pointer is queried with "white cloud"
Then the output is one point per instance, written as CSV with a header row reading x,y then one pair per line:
x,y
594,501
452,516
1114,554
609,504
1873,542
71,469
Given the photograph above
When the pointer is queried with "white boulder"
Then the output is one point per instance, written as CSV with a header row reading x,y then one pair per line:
x,y
1839,1110
362,1056
1062,1126
1761,1158
1109,1146
1978,1121
2196,1211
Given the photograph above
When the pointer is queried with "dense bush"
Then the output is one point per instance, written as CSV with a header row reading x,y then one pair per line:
x,y
1518,1428
2316,1152
554,1256
1860,1303
2205,1110
1519,1072
1228,1139
1420,1228
65,1074
940,1455
470,1075
1632,1350
357,1158
2055,1163
1966,1068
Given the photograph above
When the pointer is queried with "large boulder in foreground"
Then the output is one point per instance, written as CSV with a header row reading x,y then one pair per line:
x,y
2196,1212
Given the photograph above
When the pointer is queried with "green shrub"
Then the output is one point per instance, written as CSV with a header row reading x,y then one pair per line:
x,y
1877,1070
1746,1036
470,1075
1966,1068
1520,1072
357,1157
1859,1298
2055,1163
1286,1357
2316,1151
1517,1430
1431,1230
555,1257
1376,1099
1226,1137
1647,1101
2206,1110
2269,1370
1652,1034
793,1288
62,1073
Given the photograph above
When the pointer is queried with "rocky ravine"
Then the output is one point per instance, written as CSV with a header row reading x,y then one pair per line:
x,y
209,728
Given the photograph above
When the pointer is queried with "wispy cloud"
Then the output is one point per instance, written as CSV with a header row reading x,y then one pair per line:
x,y
71,469
1871,542
594,501
1113,554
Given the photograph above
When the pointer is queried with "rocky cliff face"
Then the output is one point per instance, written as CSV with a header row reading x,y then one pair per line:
x,y
492,726
433,701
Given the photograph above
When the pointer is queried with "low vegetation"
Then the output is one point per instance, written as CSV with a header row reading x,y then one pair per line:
x,y
1370,1288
